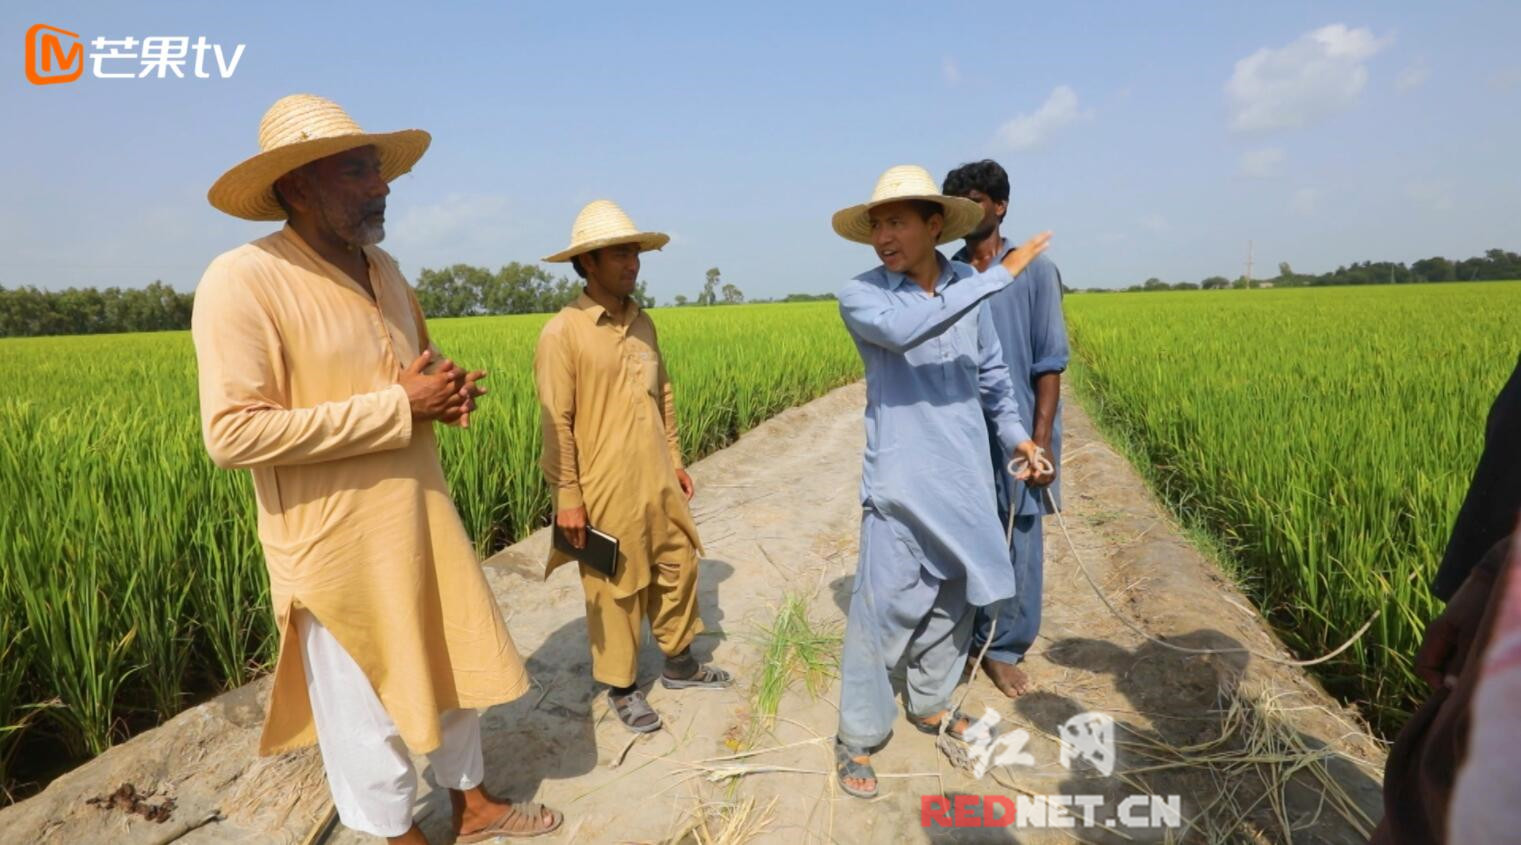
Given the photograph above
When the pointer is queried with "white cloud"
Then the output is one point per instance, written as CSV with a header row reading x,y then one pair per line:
x,y
1315,76
1260,163
1435,194
1030,130
1305,201
1155,223
950,71
1412,77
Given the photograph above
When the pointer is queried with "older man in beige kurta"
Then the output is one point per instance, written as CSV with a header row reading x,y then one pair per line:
x,y
389,634
611,446
298,383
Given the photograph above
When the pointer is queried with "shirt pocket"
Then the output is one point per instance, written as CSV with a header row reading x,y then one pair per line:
x,y
646,369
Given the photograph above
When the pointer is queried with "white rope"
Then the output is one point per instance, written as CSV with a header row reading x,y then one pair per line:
x,y
1044,467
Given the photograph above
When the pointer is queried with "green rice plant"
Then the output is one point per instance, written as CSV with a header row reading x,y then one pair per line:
x,y
795,648
234,627
133,580
13,666
76,629
1325,436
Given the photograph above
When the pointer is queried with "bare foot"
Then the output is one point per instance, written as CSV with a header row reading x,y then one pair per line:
x,y
1010,679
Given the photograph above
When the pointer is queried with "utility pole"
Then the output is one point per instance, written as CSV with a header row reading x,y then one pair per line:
x,y
1248,265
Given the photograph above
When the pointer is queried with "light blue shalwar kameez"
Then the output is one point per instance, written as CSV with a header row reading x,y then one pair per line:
x,y
1033,337
932,548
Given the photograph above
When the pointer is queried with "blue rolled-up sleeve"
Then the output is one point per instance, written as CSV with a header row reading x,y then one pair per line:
x,y
1048,328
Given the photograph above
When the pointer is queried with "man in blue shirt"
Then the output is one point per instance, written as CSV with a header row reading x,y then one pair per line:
x,y
1033,338
931,545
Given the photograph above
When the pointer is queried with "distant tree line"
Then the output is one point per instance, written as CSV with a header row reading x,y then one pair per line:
x,y
458,291
27,311
463,291
467,291
1493,265
803,297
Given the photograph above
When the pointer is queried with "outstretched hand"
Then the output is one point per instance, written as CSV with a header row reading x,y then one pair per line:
x,y
1017,260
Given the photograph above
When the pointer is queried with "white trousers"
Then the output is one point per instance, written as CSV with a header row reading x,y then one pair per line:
x,y
369,769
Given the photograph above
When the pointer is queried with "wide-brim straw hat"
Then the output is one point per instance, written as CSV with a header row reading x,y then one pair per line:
x,y
907,182
602,223
298,130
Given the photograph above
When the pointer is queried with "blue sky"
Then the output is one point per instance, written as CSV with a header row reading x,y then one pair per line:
x,y
1154,139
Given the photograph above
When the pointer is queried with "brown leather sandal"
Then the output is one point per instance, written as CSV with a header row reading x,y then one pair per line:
x,y
521,821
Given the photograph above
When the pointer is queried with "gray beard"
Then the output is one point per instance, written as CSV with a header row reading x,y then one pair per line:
x,y
369,234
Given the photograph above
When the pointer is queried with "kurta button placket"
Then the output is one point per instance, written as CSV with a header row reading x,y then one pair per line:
x,y
378,316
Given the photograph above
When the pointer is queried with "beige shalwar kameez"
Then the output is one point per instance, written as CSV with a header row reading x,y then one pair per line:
x,y
610,444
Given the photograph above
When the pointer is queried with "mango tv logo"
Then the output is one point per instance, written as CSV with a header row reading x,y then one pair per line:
x,y
45,51
55,55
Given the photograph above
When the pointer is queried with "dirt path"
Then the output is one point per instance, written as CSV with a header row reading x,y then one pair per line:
x,y
779,514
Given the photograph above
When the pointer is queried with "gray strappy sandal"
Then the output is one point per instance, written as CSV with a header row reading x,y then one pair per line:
x,y
847,767
707,677
635,712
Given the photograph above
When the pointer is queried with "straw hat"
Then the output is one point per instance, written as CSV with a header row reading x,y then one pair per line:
x,y
602,223
298,130
907,182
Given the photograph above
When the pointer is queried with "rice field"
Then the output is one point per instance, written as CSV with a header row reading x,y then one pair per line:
x,y
133,583
1324,436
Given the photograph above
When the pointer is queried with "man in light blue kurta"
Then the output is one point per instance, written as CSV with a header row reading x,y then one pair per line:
x,y
1033,338
931,545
